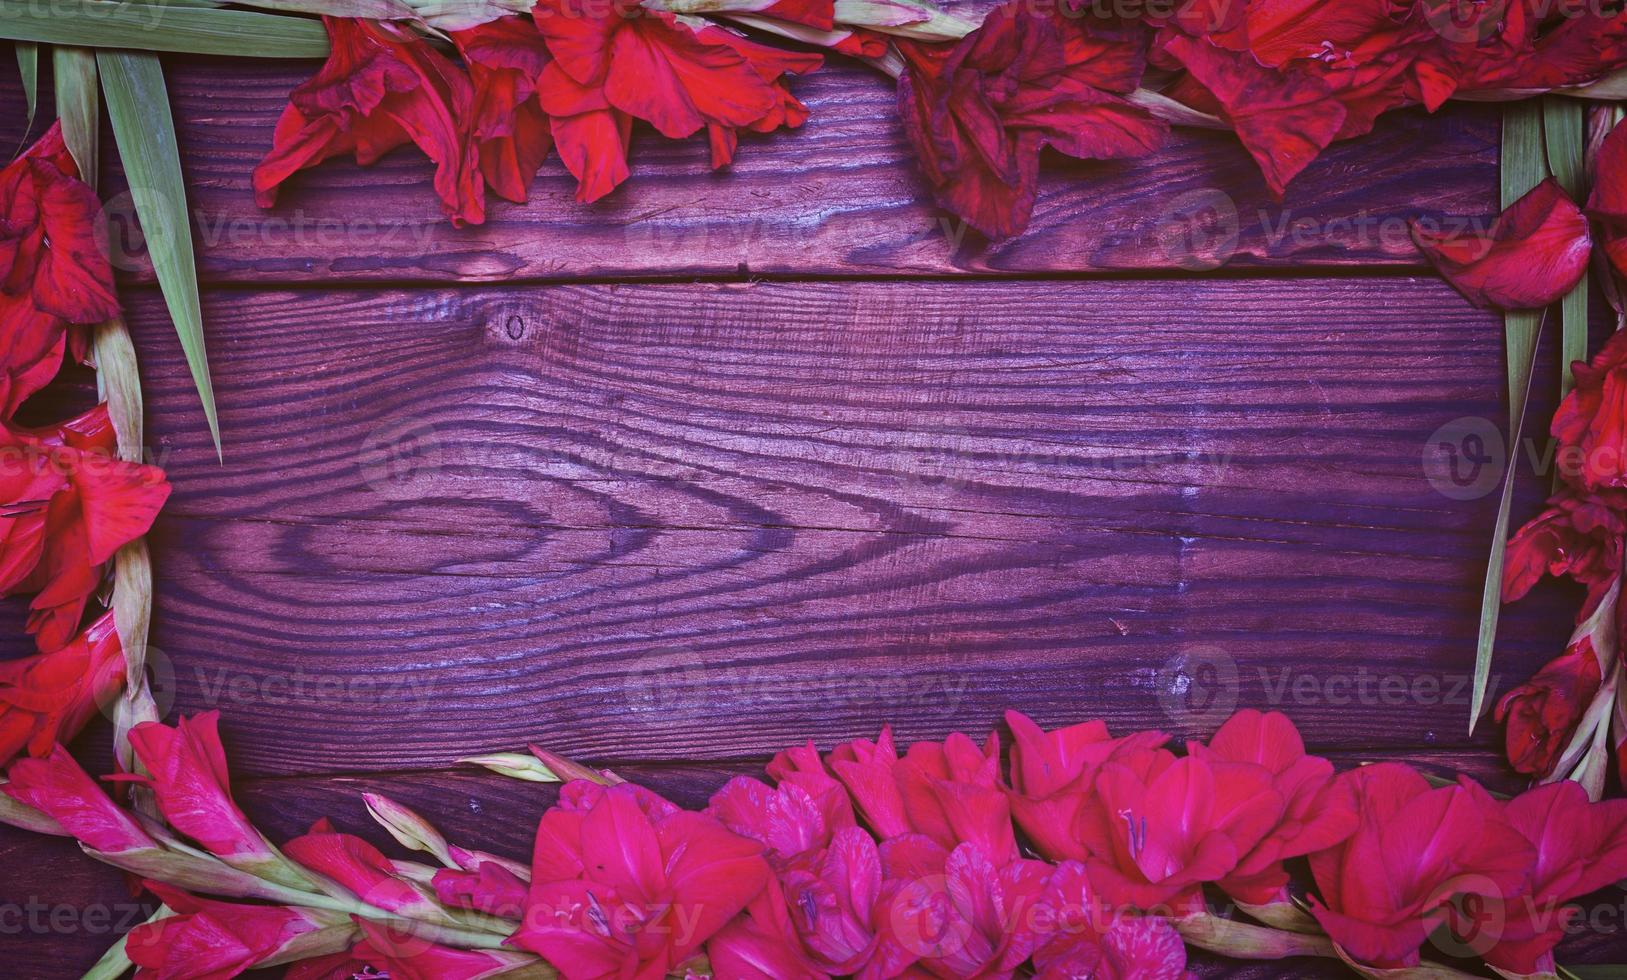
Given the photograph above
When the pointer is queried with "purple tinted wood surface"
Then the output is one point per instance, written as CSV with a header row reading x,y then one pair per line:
x,y
840,197
703,521
645,524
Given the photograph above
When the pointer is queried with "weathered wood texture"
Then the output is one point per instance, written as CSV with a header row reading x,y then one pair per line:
x,y
839,197
663,522
701,521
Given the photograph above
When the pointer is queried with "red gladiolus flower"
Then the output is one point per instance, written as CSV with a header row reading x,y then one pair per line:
x,y
66,506
382,87
624,884
57,787
1081,936
593,137
979,114
407,957
833,900
56,270
785,820
1608,201
1543,712
1580,847
952,794
489,888
1385,889
622,60
956,913
48,698
506,58
866,768
1591,423
1160,826
1577,536
212,939
1052,775
1318,813
1532,255
187,774
1285,119
360,867
762,944
802,767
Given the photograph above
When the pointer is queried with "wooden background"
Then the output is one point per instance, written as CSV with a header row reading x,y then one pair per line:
x,y
732,460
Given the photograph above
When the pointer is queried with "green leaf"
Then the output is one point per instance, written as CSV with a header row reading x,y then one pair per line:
x,y
1491,596
138,105
1524,166
162,27
1564,132
28,66
1564,135
78,106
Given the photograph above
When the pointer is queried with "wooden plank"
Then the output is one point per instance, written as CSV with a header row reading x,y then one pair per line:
x,y
699,521
841,197
58,908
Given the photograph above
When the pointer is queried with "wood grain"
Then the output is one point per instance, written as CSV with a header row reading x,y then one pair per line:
x,y
840,197
702,521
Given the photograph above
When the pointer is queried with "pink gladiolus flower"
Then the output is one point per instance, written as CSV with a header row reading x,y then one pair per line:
x,y
834,900
360,867
949,791
57,787
1083,937
188,775
213,940
801,766
1163,826
489,888
1320,812
1052,774
1580,847
1385,889
956,913
785,820
762,944
626,885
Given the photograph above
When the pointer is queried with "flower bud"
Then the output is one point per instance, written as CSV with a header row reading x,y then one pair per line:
x,y
515,765
408,828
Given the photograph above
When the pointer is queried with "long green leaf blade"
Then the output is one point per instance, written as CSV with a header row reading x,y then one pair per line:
x,y
158,27
78,106
1524,166
1491,596
138,105
1564,132
28,66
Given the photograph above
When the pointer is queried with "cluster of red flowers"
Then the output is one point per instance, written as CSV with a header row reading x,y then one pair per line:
x,y
1558,722
66,504
1087,856
1290,76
